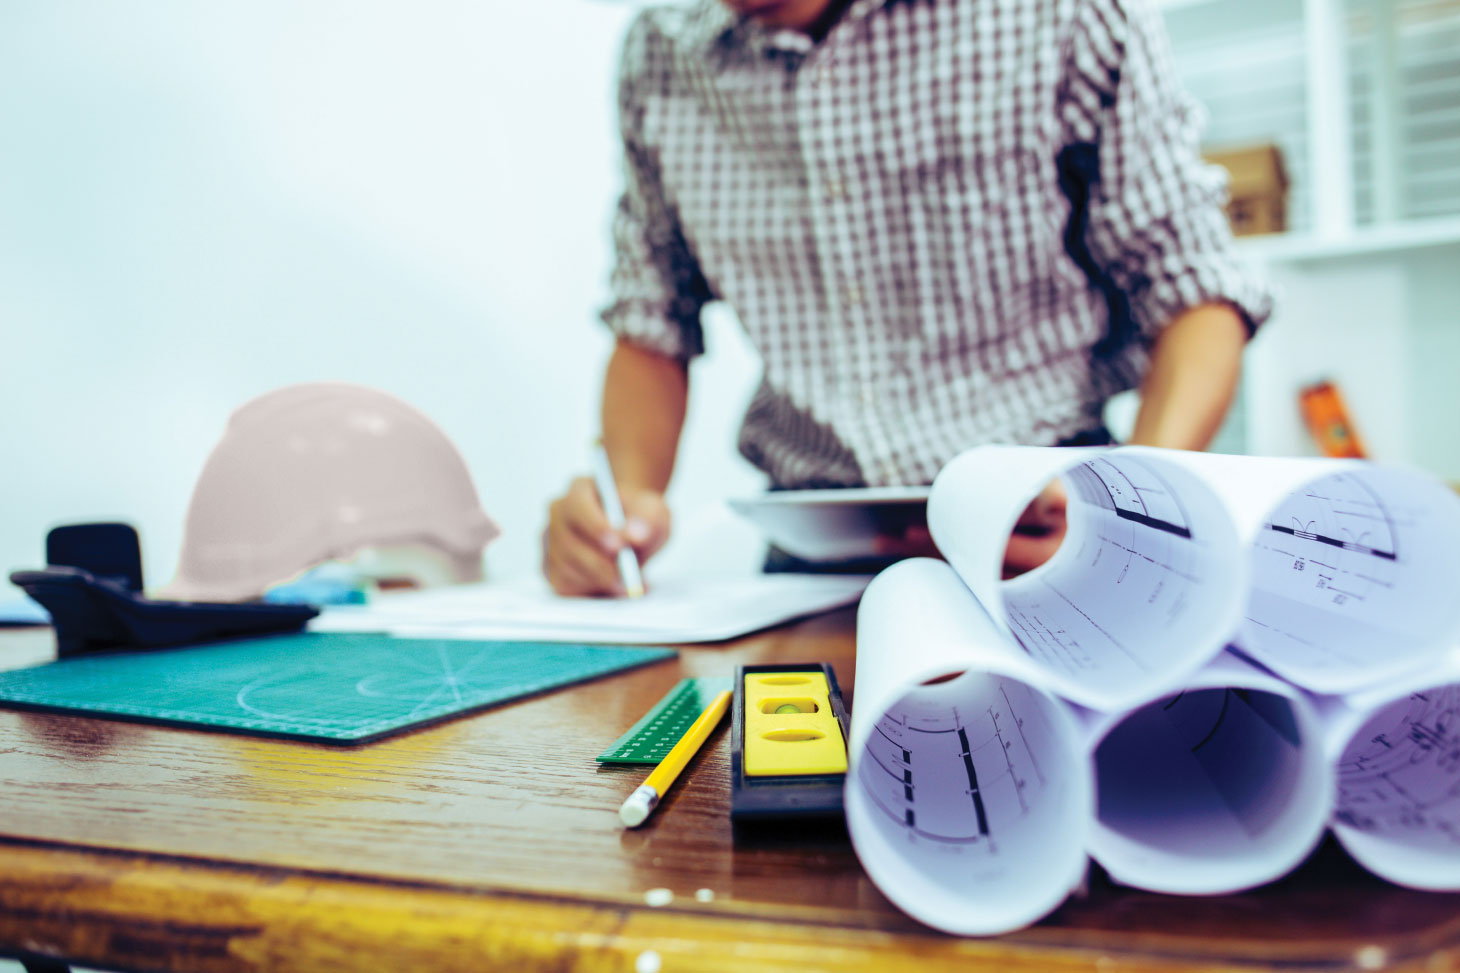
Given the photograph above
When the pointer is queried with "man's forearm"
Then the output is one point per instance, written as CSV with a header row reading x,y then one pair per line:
x,y
644,397
1195,365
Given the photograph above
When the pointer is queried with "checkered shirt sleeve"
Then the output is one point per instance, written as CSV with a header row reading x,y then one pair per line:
x,y
1156,224
658,289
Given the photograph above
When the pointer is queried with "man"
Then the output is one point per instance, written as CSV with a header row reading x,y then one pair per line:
x,y
942,222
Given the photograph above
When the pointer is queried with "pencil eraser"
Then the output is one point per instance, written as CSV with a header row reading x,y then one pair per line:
x,y
640,804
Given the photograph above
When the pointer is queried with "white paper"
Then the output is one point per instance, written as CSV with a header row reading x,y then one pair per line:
x,y
1146,588
1354,580
969,801
1396,754
1352,565
672,611
1221,787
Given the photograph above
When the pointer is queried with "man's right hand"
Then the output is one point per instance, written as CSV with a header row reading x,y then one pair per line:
x,y
580,549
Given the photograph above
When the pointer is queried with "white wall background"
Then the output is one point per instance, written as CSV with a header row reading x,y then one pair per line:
x,y
201,202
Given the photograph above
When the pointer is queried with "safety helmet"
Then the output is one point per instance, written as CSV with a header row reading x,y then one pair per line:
x,y
317,472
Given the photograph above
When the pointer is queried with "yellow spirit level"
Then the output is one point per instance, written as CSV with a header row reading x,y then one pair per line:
x,y
788,750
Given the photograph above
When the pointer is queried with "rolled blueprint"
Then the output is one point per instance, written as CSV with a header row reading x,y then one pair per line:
x,y
969,800
1334,574
1147,587
1353,566
1396,752
1221,787
1005,729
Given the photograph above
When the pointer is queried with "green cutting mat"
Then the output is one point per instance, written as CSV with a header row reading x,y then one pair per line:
x,y
650,740
333,688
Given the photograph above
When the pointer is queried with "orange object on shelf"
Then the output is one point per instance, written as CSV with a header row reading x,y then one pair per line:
x,y
1328,421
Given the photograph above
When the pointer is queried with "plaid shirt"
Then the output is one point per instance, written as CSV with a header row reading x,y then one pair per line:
x,y
950,222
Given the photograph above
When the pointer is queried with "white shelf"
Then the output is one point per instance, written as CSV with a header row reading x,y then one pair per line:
x,y
1391,238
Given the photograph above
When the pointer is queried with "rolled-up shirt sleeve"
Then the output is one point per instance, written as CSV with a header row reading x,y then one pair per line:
x,y
1156,224
657,288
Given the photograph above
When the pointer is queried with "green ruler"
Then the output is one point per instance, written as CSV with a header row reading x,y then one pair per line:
x,y
650,740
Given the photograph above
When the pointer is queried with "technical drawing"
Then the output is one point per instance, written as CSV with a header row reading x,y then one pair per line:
x,y
1132,492
952,776
1336,571
1109,607
1333,543
1401,773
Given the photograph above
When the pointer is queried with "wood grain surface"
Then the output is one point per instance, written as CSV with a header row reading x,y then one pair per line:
x,y
492,841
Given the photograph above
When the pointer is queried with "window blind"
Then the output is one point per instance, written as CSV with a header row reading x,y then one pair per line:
x,y
1244,61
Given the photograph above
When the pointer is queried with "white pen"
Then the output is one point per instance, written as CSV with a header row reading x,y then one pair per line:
x,y
628,561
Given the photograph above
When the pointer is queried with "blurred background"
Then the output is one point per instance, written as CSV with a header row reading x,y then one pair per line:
x,y
199,203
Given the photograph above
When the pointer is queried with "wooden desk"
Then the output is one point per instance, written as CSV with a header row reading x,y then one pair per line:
x,y
492,842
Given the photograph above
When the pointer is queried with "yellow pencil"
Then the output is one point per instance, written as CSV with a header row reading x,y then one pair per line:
x,y
641,803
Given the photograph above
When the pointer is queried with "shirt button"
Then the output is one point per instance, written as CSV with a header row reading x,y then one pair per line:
x,y
821,75
852,295
868,394
834,189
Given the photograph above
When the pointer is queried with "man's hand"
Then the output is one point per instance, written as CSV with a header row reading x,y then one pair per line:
x,y
1038,533
1195,364
913,541
580,548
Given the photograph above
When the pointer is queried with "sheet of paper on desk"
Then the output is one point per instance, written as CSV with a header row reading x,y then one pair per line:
x,y
23,611
672,611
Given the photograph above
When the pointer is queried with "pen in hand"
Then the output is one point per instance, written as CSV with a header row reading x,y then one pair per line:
x,y
628,561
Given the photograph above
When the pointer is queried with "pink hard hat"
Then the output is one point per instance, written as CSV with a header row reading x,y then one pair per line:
x,y
317,472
